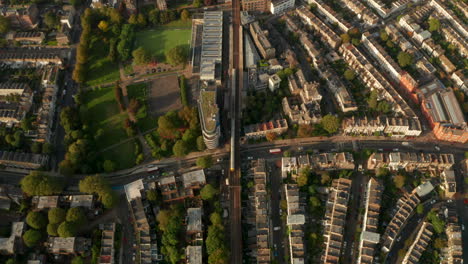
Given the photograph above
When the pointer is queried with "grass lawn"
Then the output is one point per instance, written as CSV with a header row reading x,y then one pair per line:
x,y
123,155
138,91
158,41
100,68
102,112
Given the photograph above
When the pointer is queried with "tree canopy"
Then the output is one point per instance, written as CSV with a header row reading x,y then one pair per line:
x,y
205,161
36,220
66,229
4,24
399,181
56,215
330,123
176,55
434,24
76,215
349,75
208,192
38,183
140,56
32,237
404,59
52,229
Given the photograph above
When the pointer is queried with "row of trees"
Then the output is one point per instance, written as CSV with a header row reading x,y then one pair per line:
x,y
97,185
218,252
170,223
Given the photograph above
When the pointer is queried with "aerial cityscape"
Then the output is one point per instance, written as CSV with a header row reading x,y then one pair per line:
x,y
233,131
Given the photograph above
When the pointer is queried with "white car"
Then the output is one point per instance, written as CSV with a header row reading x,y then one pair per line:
x,y
437,148
276,228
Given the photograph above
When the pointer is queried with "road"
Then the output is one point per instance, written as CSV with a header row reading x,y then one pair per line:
x,y
235,227
275,192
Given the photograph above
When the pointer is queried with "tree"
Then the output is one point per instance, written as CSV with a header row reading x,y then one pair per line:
x,y
305,131
345,38
93,185
271,136
384,107
103,25
356,41
372,100
404,59
440,243
197,3
399,181
77,260
109,166
152,195
330,123
36,220
109,199
38,183
349,75
163,218
77,216
176,55
219,256
303,177
133,20
140,56
205,161
47,148
180,149
4,24
437,223
32,237
324,178
52,229
67,229
420,209
434,24
201,144
383,36
36,147
66,167
56,215
141,20
185,15
11,261
51,20
314,201
208,192
215,219
115,16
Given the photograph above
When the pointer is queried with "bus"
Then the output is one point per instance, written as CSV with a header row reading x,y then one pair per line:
x,y
275,151
151,168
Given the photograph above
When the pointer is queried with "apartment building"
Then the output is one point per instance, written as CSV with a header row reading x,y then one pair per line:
x,y
449,184
194,254
194,224
369,236
410,161
460,81
255,5
26,161
106,255
260,38
161,4
13,243
453,253
448,14
330,14
327,35
143,222
26,37
361,11
35,57
404,210
45,202
420,243
300,113
440,107
335,220
288,165
209,117
332,161
374,79
280,6
211,46
22,18
255,131
68,245
262,219
295,222
388,64
178,188
343,97
16,100
394,126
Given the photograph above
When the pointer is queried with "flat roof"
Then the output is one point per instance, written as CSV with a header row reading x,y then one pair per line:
x,y
133,189
209,109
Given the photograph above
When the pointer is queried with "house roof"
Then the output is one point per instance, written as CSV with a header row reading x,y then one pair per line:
x,y
133,189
